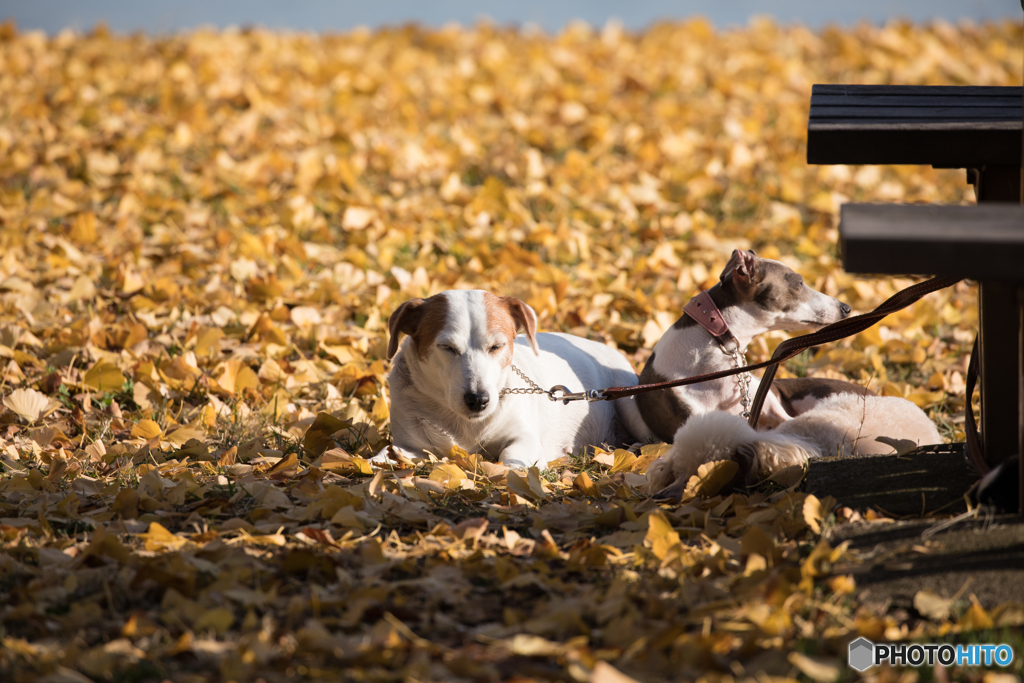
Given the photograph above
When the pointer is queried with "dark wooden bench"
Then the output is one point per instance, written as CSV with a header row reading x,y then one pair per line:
x,y
971,127
984,242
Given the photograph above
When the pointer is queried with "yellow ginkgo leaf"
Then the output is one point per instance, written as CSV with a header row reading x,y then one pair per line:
x,y
662,538
104,376
624,460
208,342
218,620
28,403
146,429
711,477
158,538
448,475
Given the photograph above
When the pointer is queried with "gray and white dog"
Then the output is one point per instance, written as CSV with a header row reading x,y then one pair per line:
x,y
753,295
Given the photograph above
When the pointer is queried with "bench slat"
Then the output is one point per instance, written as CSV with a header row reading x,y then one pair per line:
x,y
914,124
983,241
915,90
947,113
944,126
855,100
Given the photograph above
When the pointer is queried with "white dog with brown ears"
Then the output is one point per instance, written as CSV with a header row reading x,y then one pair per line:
x,y
450,382
843,424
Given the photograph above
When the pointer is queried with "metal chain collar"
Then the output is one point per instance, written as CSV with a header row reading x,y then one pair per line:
x,y
743,380
534,389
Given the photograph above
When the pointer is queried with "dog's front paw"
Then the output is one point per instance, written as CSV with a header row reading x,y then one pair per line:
x,y
515,464
523,464
522,457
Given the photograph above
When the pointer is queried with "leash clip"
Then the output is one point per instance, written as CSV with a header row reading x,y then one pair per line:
x,y
565,395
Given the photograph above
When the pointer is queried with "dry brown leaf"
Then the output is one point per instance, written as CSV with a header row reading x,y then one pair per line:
x,y
448,475
932,605
816,668
529,487
662,538
318,436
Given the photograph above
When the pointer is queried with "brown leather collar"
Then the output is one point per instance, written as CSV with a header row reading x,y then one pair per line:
x,y
702,308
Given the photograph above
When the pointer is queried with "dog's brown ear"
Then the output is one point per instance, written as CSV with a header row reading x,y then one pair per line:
x,y
738,258
730,266
745,271
525,320
406,318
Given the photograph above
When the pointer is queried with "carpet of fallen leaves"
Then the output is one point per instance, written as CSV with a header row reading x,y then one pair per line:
x,y
202,237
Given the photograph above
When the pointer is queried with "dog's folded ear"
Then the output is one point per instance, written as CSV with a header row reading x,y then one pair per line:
x,y
740,261
742,266
525,320
406,318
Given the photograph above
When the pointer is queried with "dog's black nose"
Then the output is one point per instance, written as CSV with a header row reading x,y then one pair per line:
x,y
845,308
476,401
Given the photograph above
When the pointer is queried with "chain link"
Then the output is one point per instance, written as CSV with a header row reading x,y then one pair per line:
x,y
743,379
534,389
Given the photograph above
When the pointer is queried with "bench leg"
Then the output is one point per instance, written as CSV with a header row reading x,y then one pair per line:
x,y
1020,395
997,310
1000,352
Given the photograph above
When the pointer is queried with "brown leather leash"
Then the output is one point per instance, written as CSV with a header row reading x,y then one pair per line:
x,y
841,329
783,351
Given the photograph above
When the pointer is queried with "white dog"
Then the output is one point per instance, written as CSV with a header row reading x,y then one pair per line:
x,y
450,379
840,424
754,295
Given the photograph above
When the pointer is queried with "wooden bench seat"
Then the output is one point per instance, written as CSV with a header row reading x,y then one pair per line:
x,y
984,241
937,125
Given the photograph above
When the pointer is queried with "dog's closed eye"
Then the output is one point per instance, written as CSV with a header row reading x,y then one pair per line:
x,y
496,347
449,348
